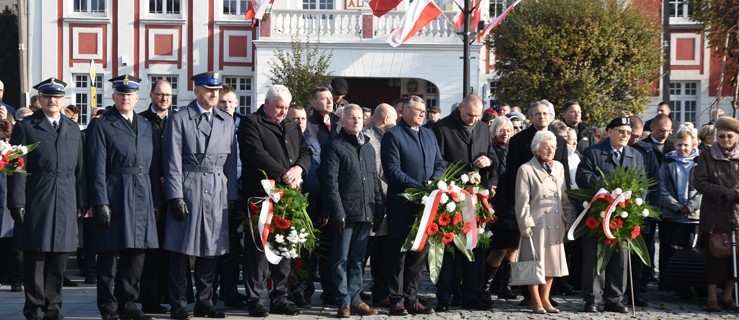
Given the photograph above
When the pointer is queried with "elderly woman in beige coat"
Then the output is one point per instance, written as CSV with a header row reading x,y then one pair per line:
x,y
543,213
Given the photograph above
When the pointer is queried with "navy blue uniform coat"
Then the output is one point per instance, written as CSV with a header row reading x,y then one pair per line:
x,y
199,167
54,190
124,175
409,159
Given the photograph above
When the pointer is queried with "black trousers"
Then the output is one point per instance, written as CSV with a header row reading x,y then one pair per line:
x,y
381,276
611,284
470,282
43,274
205,273
256,267
405,269
118,275
12,266
155,277
89,251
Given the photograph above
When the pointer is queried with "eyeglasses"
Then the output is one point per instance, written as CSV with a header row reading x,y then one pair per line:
x,y
726,136
517,127
162,95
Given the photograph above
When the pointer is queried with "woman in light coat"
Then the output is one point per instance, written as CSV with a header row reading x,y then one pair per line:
x,y
543,213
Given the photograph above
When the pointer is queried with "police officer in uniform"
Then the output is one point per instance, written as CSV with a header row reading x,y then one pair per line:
x,y
199,184
124,192
46,204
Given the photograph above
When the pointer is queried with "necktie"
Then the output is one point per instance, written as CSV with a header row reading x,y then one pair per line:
x,y
55,125
207,117
547,168
130,122
617,157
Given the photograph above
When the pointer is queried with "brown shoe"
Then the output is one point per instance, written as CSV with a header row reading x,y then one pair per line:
x,y
343,311
712,306
362,309
418,308
729,304
398,310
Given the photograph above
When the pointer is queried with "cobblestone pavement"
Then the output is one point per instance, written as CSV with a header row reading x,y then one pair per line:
x,y
79,303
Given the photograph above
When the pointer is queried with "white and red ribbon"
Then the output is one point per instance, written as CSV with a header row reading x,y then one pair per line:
x,y
468,215
620,201
265,218
431,207
428,216
613,199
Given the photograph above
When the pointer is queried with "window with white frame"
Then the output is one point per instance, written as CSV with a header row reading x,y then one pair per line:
x,y
493,94
679,9
164,7
89,6
82,97
235,7
497,7
173,81
684,101
243,88
318,4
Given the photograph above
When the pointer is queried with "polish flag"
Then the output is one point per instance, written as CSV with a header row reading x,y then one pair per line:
x,y
496,22
459,18
419,14
381,7
256,9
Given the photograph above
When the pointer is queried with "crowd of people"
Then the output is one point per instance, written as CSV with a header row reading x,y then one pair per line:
x,y
155,203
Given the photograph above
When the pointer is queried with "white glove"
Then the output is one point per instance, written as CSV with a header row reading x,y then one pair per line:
x,y
527,233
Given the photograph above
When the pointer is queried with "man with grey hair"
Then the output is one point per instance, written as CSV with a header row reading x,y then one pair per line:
x,y
271,144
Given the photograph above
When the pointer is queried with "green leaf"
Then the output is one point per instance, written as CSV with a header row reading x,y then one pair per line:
x,y
604,255
435,259
639,247
581,194
460,241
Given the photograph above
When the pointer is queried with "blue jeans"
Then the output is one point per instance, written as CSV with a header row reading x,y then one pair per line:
x,y
347,257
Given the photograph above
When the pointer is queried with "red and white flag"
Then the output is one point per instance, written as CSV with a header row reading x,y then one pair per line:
x,y
419,14
381,7
256,9
459,18
496,22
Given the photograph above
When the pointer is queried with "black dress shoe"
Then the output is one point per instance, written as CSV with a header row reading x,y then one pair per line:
x,y
285,307
134,315
398,310
616,307
418,308
179,313
16,287
111,316
69,283
258,310
442,307
153,308
591,307
208,312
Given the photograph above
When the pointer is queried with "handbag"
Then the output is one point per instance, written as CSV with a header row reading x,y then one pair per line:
x,y
524,273
719,245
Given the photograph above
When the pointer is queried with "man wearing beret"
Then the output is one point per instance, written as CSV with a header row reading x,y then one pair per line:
x,y
606,156
47,203
124,194
200,186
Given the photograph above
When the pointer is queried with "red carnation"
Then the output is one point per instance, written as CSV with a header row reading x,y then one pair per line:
x,y
444,219
610,242
21,163
432,229
635,233
616,224
2,164
6,156
447,238
457,218
467,227
298,263
282,223
592,223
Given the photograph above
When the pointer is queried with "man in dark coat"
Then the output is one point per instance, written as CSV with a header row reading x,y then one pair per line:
x,y
351,191
200,185
47,203
322,124
410,157
572,117
275,146
154,276
124,192
605,156
465,140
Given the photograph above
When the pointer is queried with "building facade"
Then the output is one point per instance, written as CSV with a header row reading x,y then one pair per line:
x,y
174,39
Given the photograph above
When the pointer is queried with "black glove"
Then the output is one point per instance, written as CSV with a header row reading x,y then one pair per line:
x,y
377,223
81,213
340,225
179,208
158,212
729,196
18,214
102,213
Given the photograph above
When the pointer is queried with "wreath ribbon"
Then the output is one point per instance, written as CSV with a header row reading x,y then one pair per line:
x,y
265,219
614,200
429,214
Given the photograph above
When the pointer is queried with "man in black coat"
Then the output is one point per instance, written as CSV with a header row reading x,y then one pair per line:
x,y
572,117
275,146
465,140
47,203
351,191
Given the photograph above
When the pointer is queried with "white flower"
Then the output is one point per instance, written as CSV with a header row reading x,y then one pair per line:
x,y
424,199
617,191
293,236
444,198
480,230
441,185
489,234
645,213
428,183
23,149
450,207
624,214
292,253
584,204
279,238
453,184
639,201
462,197
283,249
602,214
465,178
